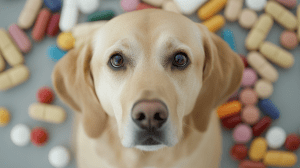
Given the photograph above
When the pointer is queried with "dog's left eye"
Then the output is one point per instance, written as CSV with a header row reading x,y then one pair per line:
x,y
116,61
180,59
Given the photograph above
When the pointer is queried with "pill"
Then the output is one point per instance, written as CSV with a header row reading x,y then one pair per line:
x,y
229,109
88,6
189,7
4,116
157,3
211,8
231,121
65,41
247,18
101,15
142,6
256,5
68,16
233,9
2,63
9,51
54,53
244,59
277,55
250,114
39,136
280,14
41,24
20,38
215,23
275,137
229,38
45,95
53,5
59,156
13,77
288,3
239,152
129,5
280,158
249,77
258,149
20,135
170,6
251,164
242,133
46,112
268,108
263,67
292,142
248,96
53,27
263,88
29,13
261,126
259,32
289,40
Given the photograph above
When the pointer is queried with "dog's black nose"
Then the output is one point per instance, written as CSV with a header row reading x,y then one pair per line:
x,y
149,115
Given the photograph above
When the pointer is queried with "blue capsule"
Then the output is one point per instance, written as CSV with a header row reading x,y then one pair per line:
x,y
53,5
268,108
54,53
229,38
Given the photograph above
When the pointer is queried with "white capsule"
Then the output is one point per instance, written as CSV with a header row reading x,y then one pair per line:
x,y
69,15
88,6
275,137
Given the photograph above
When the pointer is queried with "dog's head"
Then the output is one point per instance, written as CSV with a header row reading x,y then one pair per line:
x,y
151,70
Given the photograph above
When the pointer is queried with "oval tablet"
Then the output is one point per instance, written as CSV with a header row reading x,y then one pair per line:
x,y
231,121
233,9
250,114
29,13
247,18
242,133
20,135
256,5
211,8
267,107
275,137
20,38
263,88
41,24
47,113
2,63
215,23
258,149
13,77
280,158
248,96
189,7
59,156
87,6
289,40
53,26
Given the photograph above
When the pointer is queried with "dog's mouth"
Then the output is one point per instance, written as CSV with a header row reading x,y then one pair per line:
x,y
150,141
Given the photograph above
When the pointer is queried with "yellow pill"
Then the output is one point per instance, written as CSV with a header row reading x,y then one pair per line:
x,y
215,23
229,109
65,41
211,8
258,149
280,158
47,112
14,77
4,116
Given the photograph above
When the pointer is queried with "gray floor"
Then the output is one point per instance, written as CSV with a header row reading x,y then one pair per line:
x,y
17,100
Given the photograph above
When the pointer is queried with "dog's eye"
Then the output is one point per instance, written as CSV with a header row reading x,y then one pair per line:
x,y
116,61
180,59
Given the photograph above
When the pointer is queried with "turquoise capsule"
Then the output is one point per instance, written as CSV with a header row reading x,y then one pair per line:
x,y
54,53
101,15
229,38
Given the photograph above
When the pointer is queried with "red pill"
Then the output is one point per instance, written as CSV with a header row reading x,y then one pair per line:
x,y
292,142
244,59
41,24
39,136
145,6
53,26
261,126
239,152
251,164
45,95
231,121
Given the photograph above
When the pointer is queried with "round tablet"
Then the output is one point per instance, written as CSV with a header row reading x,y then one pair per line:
x,y
65,41
59,156
239,151
288,3
247,18
4,116
263,88
248,96
242,133
275,137
244,59
256,5
250,114
289,40
39,136
20,135
292,142
45,95
129,5
249,77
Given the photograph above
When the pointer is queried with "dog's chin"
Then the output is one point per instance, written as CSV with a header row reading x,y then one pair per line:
x,y
150,147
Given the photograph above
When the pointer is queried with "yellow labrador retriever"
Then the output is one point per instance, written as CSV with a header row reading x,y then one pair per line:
x,y
144,86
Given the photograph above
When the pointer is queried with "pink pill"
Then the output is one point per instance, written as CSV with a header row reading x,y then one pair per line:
x,y
288,3
289,40
250,114
129,5
248,96
20,38
242,133
249,77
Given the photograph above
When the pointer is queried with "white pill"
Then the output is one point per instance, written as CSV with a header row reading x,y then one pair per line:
x,y
275,137
20,135
190,6
59,156
69,15
256,5
88,6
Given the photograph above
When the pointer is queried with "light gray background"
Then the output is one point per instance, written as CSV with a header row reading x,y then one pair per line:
x,y
286,94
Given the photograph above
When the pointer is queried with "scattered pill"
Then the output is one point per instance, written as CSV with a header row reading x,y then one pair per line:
x,y
280,158
45,95
231,121
215,23
142,6
20,135
13,77
68,16
157,3
289,40
258,149
248,96
256,5
170,6
59,156
87,6
53,27
101,15
249,77
250,114
229,38
20,37
244,59
248,18
267,107
275,137
211,8
53,5
2,63
229,109
41,24
48,113
263,88
239,152
233,9
29,13
54,53
65,41
292,142
251,164
39,136
4,116
288,3
189,7
261,126
242,133
129,5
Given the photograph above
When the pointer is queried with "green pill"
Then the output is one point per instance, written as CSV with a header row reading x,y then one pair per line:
x,y
101,15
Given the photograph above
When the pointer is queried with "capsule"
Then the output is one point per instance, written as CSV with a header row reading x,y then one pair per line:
x,y
29,13
231,121
41,24
53,27
233,9
20,38
258,149
101,15
215,23
251,164
53,5
267,107
46,112
280,158
229,109
211,8
261,126
13,77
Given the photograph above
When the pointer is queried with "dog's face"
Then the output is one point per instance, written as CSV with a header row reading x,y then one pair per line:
x,y
149,69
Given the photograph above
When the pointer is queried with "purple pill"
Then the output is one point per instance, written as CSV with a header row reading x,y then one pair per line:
x,y
249,77
242,133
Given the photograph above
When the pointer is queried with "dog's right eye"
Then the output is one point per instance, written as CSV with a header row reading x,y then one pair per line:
x,y
116,60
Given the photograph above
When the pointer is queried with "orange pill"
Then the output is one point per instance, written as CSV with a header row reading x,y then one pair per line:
x,y
229,109
41,24
211,8
215,23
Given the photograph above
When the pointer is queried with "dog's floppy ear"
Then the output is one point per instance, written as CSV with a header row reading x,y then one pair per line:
x,y
222,75
73,82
